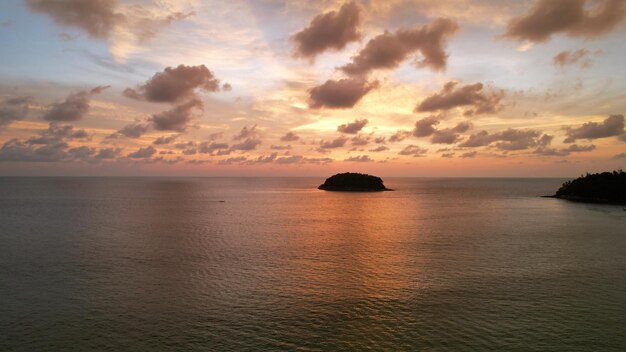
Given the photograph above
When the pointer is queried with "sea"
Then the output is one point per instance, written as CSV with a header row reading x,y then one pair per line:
x,y
274,264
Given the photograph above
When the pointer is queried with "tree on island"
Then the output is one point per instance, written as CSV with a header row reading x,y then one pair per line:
x,y
605,187
353,182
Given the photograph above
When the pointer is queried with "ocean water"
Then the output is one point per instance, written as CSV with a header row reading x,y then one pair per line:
x,y
252,264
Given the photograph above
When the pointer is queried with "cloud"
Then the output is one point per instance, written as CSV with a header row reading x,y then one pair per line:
x,y
352,127
413,150
234,160
469,154
360,140
134,130
246,145
335,143
265,159
341,94
299,159
56,133
389,50
175,84
83,153
123,26
571,17
97,18
280,147
213,148
450,135
289,137
74,107
425,127
13,109
359,159
143,153
108,153
18,151
399,136
165,139
574,148
509,139
568,58
611,126
329,31
177,118
619,156
247,132
380,148
472,95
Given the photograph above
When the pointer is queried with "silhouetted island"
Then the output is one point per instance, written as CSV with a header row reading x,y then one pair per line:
x,y
605,187
354,182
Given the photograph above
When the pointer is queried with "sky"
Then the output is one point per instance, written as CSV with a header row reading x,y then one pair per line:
x,y
426,88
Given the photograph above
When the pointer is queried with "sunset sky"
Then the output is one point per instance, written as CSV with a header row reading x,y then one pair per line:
x,y
296,88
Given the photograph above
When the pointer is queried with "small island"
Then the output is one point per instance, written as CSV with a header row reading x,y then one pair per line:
x,y
354,182
605,187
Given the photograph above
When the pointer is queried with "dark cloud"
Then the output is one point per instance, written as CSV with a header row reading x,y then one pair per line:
x,y
246,145
177,118
134,130
450,135
213,148
56,133
611,126
299,159
165,139
82,153
399,136
574,148
471,95
101,19
265,159
389,50
96,17
360,140
13,109
509,139
568,58
108,153
329,31
359,159
572,17
425,127
143,153
341,94
18,151
352,127
190,151
335,143
74,107
280,147
175,84
289,137
380,148
447,155
247,132
235,160
469,154
619,156
413,150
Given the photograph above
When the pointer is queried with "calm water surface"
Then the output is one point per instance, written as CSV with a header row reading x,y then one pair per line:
x,y
140,264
